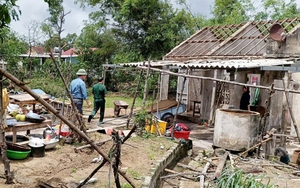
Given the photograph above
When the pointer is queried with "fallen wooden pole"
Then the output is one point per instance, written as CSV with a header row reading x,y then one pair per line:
x,y
172,184
64,119
266,140
202,176
180,174
88,145
278,165
188,167
183,176
220,166
91,175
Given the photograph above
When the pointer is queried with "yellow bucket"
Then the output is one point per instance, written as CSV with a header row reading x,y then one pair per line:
x,y
161,125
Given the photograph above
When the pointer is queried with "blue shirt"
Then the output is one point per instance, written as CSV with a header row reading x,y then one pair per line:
x,y
78,89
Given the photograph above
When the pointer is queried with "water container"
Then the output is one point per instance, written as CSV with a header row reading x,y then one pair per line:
x,y
236,130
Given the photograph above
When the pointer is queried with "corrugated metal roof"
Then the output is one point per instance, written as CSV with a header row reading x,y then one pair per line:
x,y
230,64
230,41
216,64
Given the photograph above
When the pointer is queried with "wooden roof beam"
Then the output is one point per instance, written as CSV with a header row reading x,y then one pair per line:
x,y
229,38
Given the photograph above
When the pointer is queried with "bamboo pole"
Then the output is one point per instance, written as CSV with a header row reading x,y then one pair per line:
x,y
219,80
65,120
291,112
67,90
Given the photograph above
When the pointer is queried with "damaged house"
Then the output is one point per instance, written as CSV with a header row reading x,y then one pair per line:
x,y
256,53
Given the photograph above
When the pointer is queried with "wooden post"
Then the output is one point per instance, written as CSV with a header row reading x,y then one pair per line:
x,y
134,98
158,98
146,86
178,104
268,103
291,112
7,173
104,75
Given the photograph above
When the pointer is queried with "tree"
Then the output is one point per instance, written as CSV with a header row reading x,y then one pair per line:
x,y
231,11
9,11
53,26
278,9
145,29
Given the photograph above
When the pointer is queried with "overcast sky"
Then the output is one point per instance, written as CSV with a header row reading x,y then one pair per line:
x,y
37,10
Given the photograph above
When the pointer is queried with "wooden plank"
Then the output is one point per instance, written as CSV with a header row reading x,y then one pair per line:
x,y
202,176
27,97
24,126
220,166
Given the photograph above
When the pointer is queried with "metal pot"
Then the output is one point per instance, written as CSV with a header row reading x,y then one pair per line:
x,y
37,147
49,133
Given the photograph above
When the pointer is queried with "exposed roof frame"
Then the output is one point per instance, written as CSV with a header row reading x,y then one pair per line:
x,y
229,41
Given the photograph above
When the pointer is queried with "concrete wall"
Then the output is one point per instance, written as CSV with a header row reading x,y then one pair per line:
x,y
286,48
173,155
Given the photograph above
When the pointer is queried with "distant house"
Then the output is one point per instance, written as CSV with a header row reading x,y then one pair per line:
x,y
35,50
70,55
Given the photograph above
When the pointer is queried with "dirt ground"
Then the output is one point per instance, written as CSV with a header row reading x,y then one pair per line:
x,y
63,167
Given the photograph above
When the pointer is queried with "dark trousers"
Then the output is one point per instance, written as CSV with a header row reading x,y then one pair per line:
x,y
78,103
99,104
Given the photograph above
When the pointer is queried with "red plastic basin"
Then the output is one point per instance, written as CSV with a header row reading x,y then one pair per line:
x,y
182,134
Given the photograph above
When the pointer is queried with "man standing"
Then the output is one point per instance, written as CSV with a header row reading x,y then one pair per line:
x,y
99,91
78,90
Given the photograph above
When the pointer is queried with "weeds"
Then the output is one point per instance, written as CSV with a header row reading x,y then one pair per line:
x,y
236,179
126,185
135,174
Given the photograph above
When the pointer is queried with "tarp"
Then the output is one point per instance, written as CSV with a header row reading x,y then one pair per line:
x,y
162,105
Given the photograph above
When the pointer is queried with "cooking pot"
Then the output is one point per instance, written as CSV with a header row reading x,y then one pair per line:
x,y
49,134
37,147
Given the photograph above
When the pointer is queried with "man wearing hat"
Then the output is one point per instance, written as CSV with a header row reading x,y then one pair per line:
x,y
78,90
99,91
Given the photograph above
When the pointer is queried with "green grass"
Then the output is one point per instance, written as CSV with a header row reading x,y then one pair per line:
x,y
111,97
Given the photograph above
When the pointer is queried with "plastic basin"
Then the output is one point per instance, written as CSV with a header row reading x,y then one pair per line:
x,y
11,154
182,134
